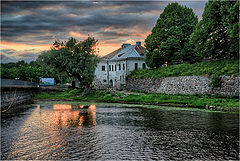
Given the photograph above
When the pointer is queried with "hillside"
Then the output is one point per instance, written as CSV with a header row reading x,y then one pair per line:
x,y
220,67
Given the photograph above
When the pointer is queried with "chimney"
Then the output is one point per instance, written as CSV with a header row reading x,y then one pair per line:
x,y
138,43
124,45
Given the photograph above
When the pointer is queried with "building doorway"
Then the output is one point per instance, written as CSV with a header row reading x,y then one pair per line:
x,y
111,83
73,84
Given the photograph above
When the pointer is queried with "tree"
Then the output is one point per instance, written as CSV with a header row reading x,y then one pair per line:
x,y
31,72
233,30
76,58
170,35
154,59
211,35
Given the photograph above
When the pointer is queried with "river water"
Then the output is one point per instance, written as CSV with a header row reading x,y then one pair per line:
x,y
68,131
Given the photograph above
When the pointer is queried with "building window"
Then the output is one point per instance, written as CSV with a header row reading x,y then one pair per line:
x,y
144,66
119,66
109,67
112,68
136,66
103,68
115,67
120,78
104,80
123,66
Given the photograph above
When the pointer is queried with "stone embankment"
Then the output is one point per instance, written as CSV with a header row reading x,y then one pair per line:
x,y
15,92
185,85
14,97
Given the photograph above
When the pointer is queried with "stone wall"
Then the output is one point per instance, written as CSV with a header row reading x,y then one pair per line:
x,y
99,85
185,85
14,96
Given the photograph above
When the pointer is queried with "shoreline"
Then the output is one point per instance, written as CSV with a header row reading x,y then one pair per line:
x,y
210,108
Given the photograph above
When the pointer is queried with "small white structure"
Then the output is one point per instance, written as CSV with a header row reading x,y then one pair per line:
x,y
114,67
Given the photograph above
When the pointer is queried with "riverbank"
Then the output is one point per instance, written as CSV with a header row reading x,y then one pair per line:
x,y
195,101
219,67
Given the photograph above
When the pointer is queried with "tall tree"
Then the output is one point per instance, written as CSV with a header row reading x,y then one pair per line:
x,y
233,30
76,58
211,36
170,35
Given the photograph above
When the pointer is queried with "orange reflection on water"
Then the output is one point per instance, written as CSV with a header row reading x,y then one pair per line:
x,y
81,120
91,115
67,117
81,106
92,108
62,107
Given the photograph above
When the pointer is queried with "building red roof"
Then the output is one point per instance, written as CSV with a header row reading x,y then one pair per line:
x,y
112,54
141,50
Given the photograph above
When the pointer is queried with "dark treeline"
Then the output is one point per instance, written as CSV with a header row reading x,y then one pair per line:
x,y
178,37
32,71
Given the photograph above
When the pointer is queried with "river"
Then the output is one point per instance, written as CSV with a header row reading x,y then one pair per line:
x,y
68,131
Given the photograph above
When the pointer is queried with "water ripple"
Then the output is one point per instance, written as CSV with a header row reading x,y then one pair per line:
x,y
103,133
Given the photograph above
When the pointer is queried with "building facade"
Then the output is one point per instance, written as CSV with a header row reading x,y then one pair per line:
x,y
113,68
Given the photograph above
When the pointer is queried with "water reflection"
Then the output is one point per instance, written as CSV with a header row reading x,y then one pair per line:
x,y
38,107
62,107
70,132
66,115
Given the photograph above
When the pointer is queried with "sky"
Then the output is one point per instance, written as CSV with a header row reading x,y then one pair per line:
x,y
29,28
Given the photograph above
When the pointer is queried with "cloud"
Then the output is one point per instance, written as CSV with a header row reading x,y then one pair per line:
x,y
104,47
35,25
77,34
15,56
24,18
13,52
21,47
8,51
6,58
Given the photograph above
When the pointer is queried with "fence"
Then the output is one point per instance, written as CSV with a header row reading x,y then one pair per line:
x,y
17,83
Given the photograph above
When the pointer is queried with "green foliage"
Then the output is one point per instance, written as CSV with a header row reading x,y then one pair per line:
x,y
233,30
211,35
76,58
154,59
30,72
170,36
216,81
220,67
105,96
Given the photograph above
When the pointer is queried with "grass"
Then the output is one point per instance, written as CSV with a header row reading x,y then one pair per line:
x,y
220,67
199,101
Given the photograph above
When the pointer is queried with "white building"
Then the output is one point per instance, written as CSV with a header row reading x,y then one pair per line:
x,y
114,67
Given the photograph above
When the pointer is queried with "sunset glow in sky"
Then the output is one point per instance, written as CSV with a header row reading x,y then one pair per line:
x,y
29,28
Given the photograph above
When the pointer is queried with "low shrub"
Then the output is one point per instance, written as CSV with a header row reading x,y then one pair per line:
x,y
216,81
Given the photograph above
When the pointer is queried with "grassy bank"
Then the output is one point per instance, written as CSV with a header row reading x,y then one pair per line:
x,y
200,101
220,67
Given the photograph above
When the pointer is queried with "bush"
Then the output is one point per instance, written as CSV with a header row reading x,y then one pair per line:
x,y
216,81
